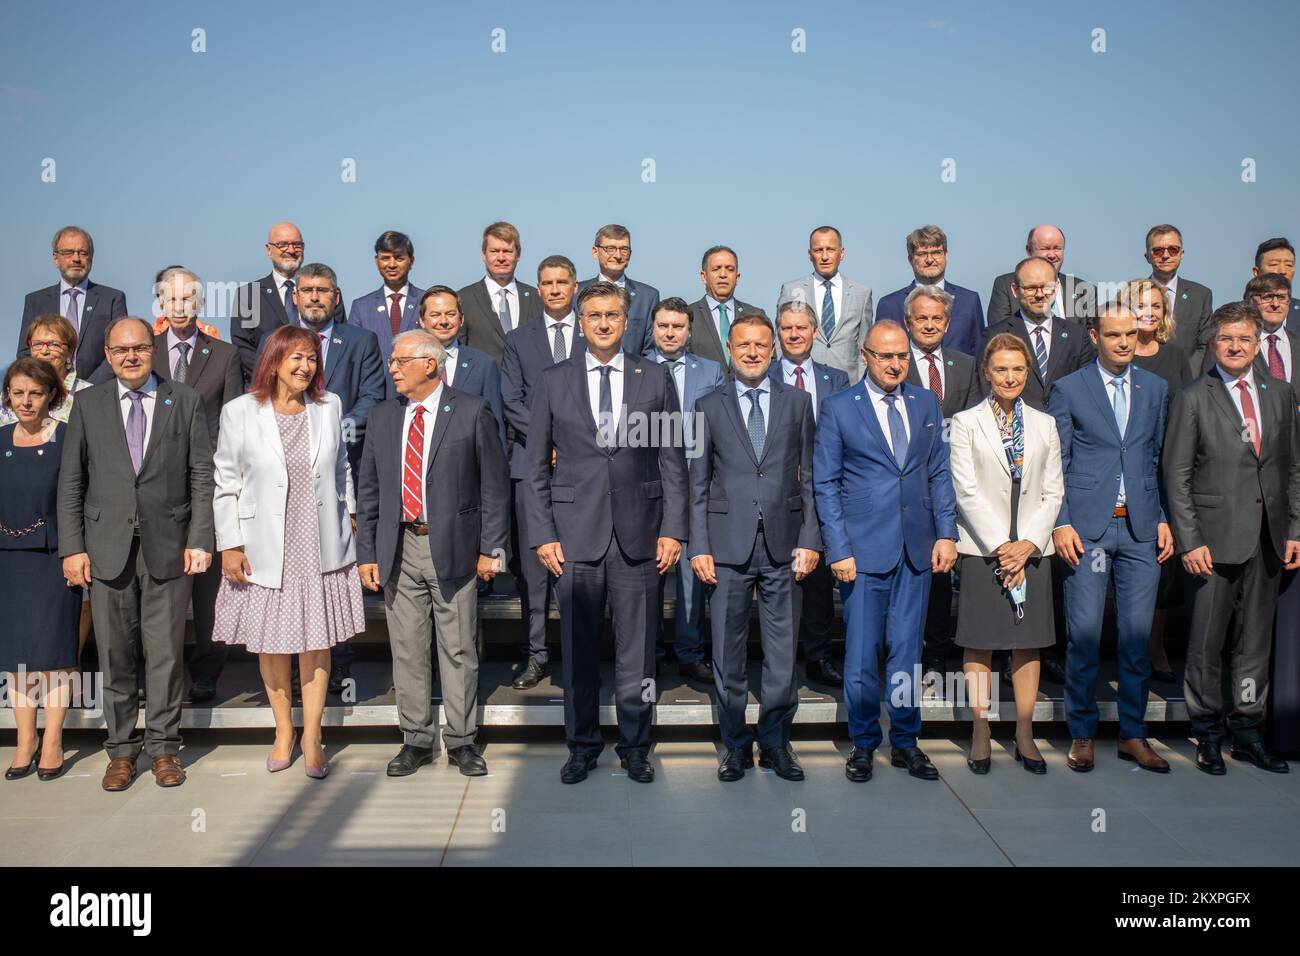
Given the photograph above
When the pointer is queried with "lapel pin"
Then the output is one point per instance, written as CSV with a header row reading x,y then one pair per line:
x,y
464,364
857,398
9,454
1184,295
1065,335
379,308
637,371
206,351
167,401
336,340
950,363
446,408
89,307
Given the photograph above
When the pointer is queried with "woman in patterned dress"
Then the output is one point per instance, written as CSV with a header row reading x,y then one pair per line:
x,y
282,506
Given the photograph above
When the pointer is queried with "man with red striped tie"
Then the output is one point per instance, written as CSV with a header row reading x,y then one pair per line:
x,y
425,548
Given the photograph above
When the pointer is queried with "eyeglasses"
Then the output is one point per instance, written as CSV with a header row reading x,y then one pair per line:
x,y
886,356
1241,340
1162,251
597,316
1272,297
285,246
53,345
1045,289
929,253
311,293
121,351
401,362
617,251
73,253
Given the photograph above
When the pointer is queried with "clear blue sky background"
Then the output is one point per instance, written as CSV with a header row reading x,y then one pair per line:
x,y
167,155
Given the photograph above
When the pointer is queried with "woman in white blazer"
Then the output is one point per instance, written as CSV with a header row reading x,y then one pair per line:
x,y
282,507
1005,459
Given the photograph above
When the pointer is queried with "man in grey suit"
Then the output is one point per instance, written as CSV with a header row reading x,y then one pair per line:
x,y
431,518
612,250
1075,298
1278,255
135,524
712,315
498,303
754,525
87,306
1232,474
845,317
1190,302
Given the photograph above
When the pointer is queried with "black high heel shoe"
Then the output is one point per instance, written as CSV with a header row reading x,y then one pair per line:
x,y
981,766
54,774
1033,766
17,773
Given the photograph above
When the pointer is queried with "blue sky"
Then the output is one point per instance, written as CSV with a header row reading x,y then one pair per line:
x,y
168,155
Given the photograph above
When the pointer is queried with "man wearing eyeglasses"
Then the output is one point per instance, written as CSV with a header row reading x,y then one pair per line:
x,y
1278,255
1190,302
612,250
261,307
927,253
88,306
1075,298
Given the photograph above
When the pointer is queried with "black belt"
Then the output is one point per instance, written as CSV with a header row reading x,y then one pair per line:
x,y
416,527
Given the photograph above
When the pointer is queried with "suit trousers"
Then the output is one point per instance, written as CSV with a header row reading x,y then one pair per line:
x,y
1284,684
688,617
1137,580
729,608
938,618
208,658
632,588
535,593
137,607
884,609
414,597
1232,608
815,612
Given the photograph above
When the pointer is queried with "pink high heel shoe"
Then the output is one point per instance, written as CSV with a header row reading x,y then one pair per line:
x,y
275,766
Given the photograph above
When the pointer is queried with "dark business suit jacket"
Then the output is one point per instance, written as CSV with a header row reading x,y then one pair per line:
x,y
102,306
482,328
1080,299
1207,360
963,385
466,492
1192,311
527,354
1070,349
214,373
1219,492
732,488
642,298
99,490
705,341
829,380
965,327
255,313
476,374
370,312
639,493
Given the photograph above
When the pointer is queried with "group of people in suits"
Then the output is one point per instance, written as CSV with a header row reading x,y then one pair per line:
x,y
415,445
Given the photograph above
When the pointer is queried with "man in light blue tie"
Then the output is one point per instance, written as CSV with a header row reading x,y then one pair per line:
x,y
842,306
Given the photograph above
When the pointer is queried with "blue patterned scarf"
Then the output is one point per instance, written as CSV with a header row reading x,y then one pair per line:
x,y
1012,429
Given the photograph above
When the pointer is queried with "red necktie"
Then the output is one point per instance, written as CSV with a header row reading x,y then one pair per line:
x,y
798,378
395,312
936,384
412,474
1275,366
1248,413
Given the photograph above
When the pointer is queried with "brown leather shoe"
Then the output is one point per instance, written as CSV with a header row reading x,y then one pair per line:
x,y
1080,756
1139,751
167,771
120,773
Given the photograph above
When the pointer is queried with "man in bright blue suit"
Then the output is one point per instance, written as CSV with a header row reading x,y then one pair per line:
x,y
612,250
1111,419
888,519
693,378
465,369
927,252
394,306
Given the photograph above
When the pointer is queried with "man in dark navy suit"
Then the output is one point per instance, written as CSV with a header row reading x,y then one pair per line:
x,y
395,306
607,513
612,250
927,252
88,306
754,525
464,369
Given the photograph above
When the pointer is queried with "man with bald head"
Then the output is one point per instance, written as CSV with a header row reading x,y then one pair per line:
x,y
888,521
1075,298
261,307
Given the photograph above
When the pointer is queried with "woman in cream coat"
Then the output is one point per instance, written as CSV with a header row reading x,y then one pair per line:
x,y
1005,459
282,505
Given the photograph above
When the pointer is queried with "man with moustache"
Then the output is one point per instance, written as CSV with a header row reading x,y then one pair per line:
x,y
530,350
1074,298
842,306
606,519
889,520
693,377
754,525
498,303
927,253
261,307
712,315
612,250
1190,302
463,368
1232,477
393,307
815,607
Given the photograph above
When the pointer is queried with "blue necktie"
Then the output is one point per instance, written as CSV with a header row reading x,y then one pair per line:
x,y
1040,351
828,312
1121,422
605,426
757,430
897,433
290,309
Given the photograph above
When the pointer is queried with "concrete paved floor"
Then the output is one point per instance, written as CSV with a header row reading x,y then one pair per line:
x,y
231,811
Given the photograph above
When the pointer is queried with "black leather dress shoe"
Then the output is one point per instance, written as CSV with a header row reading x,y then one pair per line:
x,y
824,672
858,767
203,692
734,764
1030,764
1209,758
339,673
1260,756
915,761
781,761
408,760
468,759
530,676
637,765
701,672
576,767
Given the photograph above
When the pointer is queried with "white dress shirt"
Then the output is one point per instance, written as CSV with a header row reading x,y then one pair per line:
x,y
1283,348
323,336
150,390
922,363
81,288
430,406
809,379
451,362
678,372
512,296
279,284
1047,337
837,296
615,386
1230,383
567,326
1110,386
621,281
881,408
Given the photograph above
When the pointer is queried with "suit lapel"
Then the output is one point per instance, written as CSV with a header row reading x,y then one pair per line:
x,y
915,420
778,411
633,376
731,402
868,413
198,359
271,296
1219,391
704,317
1092,381
338,347
160,358
162,412
271,431
993,437
441,420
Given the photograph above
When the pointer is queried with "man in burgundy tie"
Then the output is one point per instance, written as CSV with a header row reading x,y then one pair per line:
x,y
394,306
1232,477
